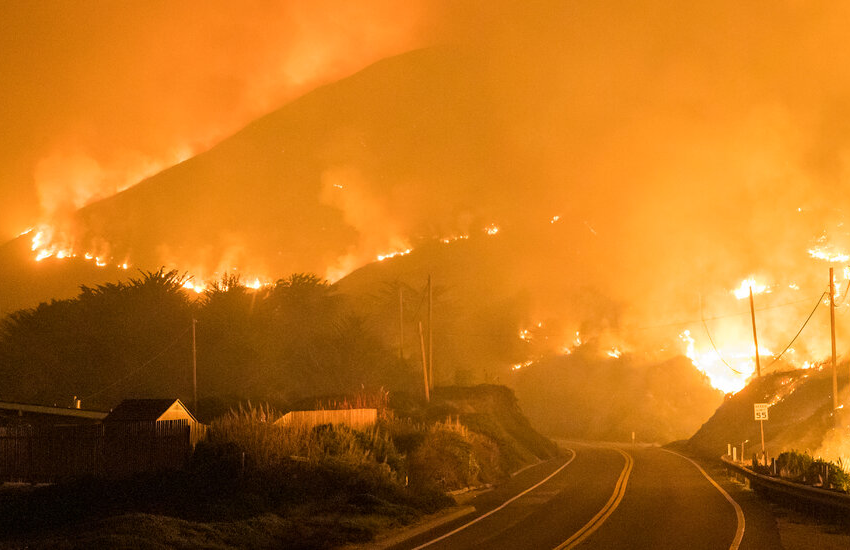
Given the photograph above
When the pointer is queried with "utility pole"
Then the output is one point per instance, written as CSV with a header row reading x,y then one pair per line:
x,y
430,337
424,364
400,322
194,369
832,334
755,336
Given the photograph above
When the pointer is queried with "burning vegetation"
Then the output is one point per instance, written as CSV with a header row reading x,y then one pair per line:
x,y
581,197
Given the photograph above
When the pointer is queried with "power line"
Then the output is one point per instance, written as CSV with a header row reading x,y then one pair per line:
x,y
777,357
717,351
817,305
710,339
139,368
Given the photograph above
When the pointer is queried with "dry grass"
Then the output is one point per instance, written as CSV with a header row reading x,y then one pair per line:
x,y
267,445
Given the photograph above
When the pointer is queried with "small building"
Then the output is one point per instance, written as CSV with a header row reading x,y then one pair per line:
x,y
44,415
156,411
357,419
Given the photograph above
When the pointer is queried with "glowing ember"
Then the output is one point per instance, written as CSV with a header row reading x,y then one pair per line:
x,y
43,254
744,290
555,219
615,353
491,229
828,255
382,257
521,365
525,335
448,240
197,288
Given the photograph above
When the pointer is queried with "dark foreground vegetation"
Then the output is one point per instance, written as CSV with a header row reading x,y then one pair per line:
x,y
294,338
801,416
254,484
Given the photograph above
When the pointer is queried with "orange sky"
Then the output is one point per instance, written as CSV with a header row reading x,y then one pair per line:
x,y
686,145
97,94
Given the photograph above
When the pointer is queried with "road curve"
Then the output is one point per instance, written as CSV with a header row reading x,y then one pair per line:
x,y
599,497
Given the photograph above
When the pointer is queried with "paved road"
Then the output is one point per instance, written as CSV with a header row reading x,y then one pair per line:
x,y
604,497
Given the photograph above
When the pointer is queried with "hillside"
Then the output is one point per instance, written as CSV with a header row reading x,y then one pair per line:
x,y
588,396
800,416
297,190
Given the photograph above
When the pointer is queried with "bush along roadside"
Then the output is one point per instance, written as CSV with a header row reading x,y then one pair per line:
x,y
327,483
802,468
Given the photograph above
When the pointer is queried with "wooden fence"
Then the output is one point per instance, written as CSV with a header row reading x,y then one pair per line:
x,y
354,418
37,454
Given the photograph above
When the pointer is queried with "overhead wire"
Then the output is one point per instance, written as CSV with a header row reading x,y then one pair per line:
x,y
777,357
817,305
140,367
710,339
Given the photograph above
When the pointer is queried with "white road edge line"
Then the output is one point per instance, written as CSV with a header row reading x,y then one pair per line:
x,y
605,512
493,511
739,532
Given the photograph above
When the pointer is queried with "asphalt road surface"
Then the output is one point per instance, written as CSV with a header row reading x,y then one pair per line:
x,y
607,497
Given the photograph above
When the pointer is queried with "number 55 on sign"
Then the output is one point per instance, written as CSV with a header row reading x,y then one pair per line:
x,y
760,411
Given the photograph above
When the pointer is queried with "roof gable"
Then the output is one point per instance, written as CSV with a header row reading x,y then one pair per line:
x,y
145,410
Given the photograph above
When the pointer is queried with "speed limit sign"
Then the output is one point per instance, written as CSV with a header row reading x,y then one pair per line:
x,y
760,411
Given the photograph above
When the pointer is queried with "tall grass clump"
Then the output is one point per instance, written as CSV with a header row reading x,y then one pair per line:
x,y
803,468
450,457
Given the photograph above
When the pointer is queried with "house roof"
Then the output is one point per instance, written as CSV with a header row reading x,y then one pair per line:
x,y
57,411
141,410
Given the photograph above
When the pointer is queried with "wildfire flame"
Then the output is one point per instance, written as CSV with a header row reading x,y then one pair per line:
x,y
744,290
48,242
387,256
522,365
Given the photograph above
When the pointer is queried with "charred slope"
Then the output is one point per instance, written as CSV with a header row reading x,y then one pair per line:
x,y
284,194
585,396
476,312
800,416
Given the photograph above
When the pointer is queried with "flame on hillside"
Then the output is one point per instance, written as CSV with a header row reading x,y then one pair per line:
x,y
728,367
744,290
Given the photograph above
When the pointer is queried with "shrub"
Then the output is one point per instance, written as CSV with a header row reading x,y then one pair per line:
x,y
451,457
794,465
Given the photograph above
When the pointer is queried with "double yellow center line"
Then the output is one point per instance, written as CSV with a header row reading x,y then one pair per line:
x,y
619,492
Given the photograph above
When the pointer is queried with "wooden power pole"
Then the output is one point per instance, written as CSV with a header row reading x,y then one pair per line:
x,y
400,322
832,334
430,337
424,364
194,370
755,336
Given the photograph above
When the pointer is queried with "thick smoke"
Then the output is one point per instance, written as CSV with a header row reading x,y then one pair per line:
x,y
682,148
118,92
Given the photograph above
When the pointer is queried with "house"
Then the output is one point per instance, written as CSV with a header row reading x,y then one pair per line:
x,y
357,419
44,415
155,411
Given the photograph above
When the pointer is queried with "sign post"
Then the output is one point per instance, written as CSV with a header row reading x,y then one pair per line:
x,y
760,414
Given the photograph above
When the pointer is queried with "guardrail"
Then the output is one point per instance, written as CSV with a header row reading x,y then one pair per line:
x,y
810,497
